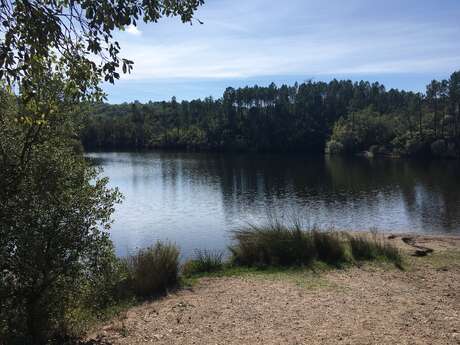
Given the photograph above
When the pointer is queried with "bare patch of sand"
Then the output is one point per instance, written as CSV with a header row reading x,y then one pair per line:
x,y
373,304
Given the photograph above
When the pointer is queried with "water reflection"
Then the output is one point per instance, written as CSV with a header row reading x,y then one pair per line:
x,y
194,199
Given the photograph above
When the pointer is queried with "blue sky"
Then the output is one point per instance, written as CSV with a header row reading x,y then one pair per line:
x,y
401,43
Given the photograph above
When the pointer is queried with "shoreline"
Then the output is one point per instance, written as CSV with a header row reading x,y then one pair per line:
x,y
362,154
371,303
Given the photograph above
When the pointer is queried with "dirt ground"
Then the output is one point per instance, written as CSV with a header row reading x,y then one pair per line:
x,y
372,304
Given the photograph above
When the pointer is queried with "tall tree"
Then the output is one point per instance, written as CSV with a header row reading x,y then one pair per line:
x,y
433,92
54,208
454,97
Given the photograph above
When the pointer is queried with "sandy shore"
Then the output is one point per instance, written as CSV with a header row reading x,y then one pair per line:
x,y
372,304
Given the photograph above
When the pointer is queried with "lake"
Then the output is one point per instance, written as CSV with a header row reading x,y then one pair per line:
x,y
196,199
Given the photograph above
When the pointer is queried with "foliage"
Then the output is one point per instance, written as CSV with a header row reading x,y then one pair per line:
x,y
334,147
438,148
54,216
204,261
95,297
339,117
55,253
152,271
362,130
78,31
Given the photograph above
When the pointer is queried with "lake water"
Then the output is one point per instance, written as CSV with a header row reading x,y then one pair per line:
x,y
196,199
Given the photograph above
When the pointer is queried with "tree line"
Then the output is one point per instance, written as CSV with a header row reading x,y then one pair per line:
x,y
338,117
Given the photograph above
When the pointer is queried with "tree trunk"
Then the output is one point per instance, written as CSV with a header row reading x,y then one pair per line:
x,y
435,119
34,322
457,115
420,120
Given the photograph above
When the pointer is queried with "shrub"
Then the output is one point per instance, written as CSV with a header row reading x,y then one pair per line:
x,y
204,261
438,148
364,247
334,147
97,296
374,150
343,139
360,130
414,146
152,271
54,219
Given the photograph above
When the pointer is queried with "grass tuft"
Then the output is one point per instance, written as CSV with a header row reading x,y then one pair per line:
x,y
272,245
152,271
276,244
372,247
330,247
204,261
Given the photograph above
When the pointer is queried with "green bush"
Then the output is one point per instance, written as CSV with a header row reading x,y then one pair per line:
x,y
152,271
204,261
334,147
343,139
55,214
438,148
362,130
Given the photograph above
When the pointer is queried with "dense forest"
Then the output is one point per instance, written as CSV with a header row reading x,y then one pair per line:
x,y
339,117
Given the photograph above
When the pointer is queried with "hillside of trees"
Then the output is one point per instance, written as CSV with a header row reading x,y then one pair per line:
x,y
339,117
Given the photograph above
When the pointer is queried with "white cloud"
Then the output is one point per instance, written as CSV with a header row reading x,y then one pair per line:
x,y
133,30
297,39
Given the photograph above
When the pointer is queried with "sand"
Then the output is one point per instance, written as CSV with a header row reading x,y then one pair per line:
x,y
371,304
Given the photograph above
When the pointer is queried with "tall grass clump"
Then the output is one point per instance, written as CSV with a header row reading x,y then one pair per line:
x,y
204,261
330,247
272,245
372,247
152,271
